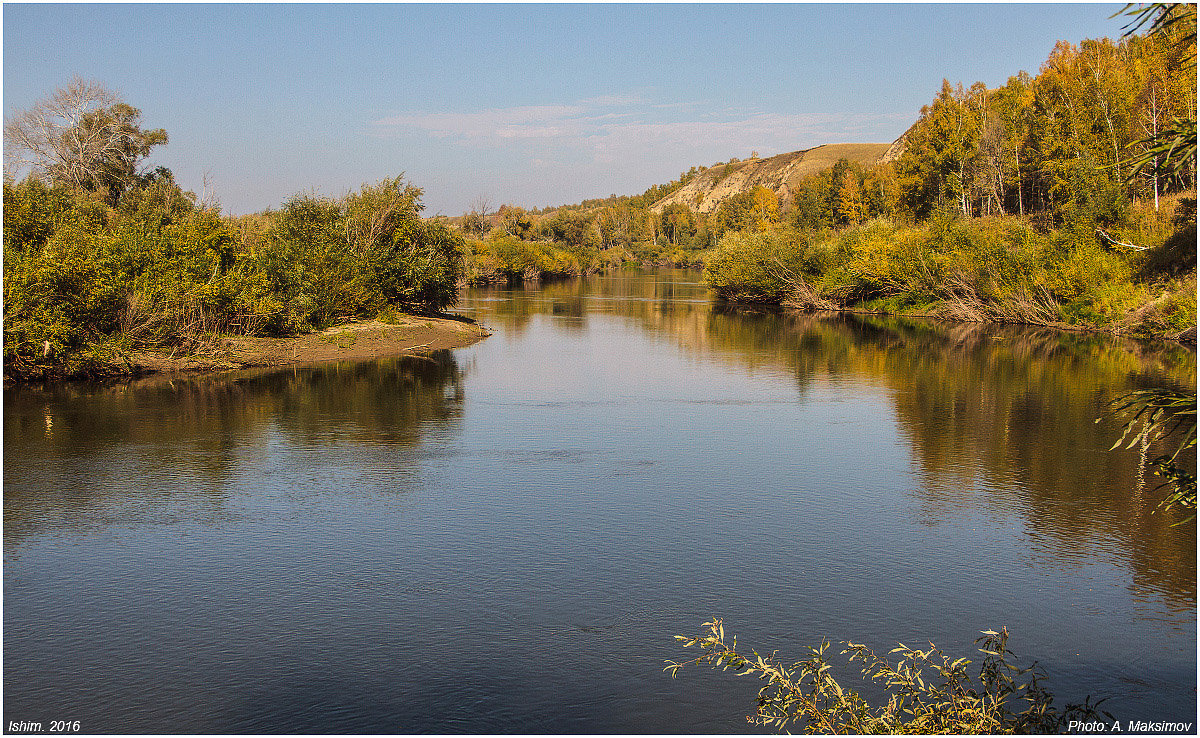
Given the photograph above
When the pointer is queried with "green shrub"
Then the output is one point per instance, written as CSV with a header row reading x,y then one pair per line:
x,y
508,259
421,269
754,266
981,269
84,282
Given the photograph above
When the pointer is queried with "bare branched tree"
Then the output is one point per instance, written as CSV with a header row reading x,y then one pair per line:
x,y
208,194
38,137
482,205
82,135
475,221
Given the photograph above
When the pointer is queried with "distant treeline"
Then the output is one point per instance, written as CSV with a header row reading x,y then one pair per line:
x,y
1062,198
1066,197
1058,147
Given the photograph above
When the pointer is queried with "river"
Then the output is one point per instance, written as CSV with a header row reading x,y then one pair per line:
x,y
505,538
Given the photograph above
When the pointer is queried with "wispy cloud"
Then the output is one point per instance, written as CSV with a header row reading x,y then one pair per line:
x,y
626,124
531,121
557,153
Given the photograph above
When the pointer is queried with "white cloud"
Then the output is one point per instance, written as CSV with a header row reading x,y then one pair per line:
x,y
531,121
627,121
608,101
551,154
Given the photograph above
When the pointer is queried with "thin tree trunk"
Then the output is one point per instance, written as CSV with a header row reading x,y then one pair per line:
x,y
1020,184
1154,133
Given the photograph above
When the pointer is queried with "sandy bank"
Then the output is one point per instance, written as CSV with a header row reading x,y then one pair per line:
x,y
357,341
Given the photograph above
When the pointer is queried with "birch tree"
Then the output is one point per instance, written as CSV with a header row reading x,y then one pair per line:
x,y
82,135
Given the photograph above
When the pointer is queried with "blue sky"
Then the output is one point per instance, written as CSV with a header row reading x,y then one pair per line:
x,y
530,104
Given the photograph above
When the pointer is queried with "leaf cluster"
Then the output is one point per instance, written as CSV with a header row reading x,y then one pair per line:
x,y
1162,413
927,691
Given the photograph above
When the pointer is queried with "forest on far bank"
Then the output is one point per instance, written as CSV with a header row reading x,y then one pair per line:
x,y
1065,198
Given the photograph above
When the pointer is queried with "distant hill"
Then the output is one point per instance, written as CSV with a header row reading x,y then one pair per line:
x,y
780,173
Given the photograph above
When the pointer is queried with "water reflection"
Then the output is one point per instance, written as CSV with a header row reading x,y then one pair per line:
x,y
354,547
1001,420
81,454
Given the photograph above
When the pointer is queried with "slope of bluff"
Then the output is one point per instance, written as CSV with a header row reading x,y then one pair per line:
x,y
780,173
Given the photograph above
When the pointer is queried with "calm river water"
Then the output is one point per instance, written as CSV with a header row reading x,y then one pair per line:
x,y
505,538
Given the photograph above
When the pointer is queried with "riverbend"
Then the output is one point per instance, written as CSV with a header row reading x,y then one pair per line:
x,y
505,537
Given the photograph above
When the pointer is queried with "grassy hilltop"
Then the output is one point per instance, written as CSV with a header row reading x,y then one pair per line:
x,y
781,174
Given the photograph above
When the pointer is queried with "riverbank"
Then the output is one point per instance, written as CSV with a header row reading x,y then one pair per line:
x,y
945,312
403,335
359,341
127,285
994,270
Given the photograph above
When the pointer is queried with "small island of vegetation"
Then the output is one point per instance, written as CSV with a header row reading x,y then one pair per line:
x,y
106,264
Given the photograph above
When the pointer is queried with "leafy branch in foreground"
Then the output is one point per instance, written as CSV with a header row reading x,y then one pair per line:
x,y
927,691
1161,17
1162,413
1170,152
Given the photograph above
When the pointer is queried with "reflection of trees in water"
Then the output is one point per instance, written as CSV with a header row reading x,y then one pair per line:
x,y
514,307
1001,419
76,448
385,401
623,293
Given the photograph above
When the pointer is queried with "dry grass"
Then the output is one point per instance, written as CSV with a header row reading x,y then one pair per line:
x,y
780,174
962,302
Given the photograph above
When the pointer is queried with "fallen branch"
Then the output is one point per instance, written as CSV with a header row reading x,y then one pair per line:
x,y
1115,242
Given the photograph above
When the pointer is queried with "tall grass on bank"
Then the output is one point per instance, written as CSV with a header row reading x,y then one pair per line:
x,y
86,284
985,269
